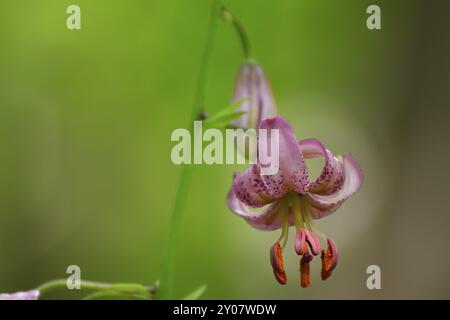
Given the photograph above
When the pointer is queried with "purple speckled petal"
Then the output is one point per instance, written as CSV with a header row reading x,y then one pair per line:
x,y
292,174
250,189
332,176
323,205
270,218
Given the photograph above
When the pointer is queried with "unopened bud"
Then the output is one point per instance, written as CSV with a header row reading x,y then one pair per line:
x,y
254,89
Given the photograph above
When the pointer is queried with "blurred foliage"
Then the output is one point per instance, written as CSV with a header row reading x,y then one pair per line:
x,y
86,118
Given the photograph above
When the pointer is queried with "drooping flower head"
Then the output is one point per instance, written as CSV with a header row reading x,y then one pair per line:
x,y
289,198
252,86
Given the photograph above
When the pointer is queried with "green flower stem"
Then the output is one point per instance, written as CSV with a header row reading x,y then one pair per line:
x,y
240,30
165,288
130,288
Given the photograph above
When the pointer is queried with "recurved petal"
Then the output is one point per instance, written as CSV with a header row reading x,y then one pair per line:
x,y
332,176
319,213
323,205
269,218
292,174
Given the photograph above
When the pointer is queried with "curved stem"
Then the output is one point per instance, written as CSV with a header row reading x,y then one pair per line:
x,y
165,289
240,30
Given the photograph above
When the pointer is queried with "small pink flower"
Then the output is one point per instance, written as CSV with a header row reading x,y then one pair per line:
x,y
24,295
289,198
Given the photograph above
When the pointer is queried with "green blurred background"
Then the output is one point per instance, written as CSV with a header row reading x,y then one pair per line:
x,y
86,117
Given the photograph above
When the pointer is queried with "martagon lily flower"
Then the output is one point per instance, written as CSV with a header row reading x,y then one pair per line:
x,y
288,198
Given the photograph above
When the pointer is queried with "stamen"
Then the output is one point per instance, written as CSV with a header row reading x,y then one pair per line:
x,y
300,242
283,228
285,232
313,242
276,260
306,215
305,279
329,259
298,219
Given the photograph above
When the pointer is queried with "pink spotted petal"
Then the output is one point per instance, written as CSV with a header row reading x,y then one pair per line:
x,y
292,174
269,218
323,205
318,213
332,176
250,189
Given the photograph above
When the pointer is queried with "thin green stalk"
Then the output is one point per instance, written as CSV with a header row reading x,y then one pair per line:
x,y
240,30
62,283
165,289
96,286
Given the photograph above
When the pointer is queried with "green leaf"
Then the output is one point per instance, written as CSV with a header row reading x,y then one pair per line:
x,y
197,293
225,116
221,121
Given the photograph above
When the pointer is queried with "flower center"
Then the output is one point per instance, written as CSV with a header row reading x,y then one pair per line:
x,y
298,210
295,209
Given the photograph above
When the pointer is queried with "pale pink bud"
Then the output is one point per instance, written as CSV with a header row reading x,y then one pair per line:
x,y
252,86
